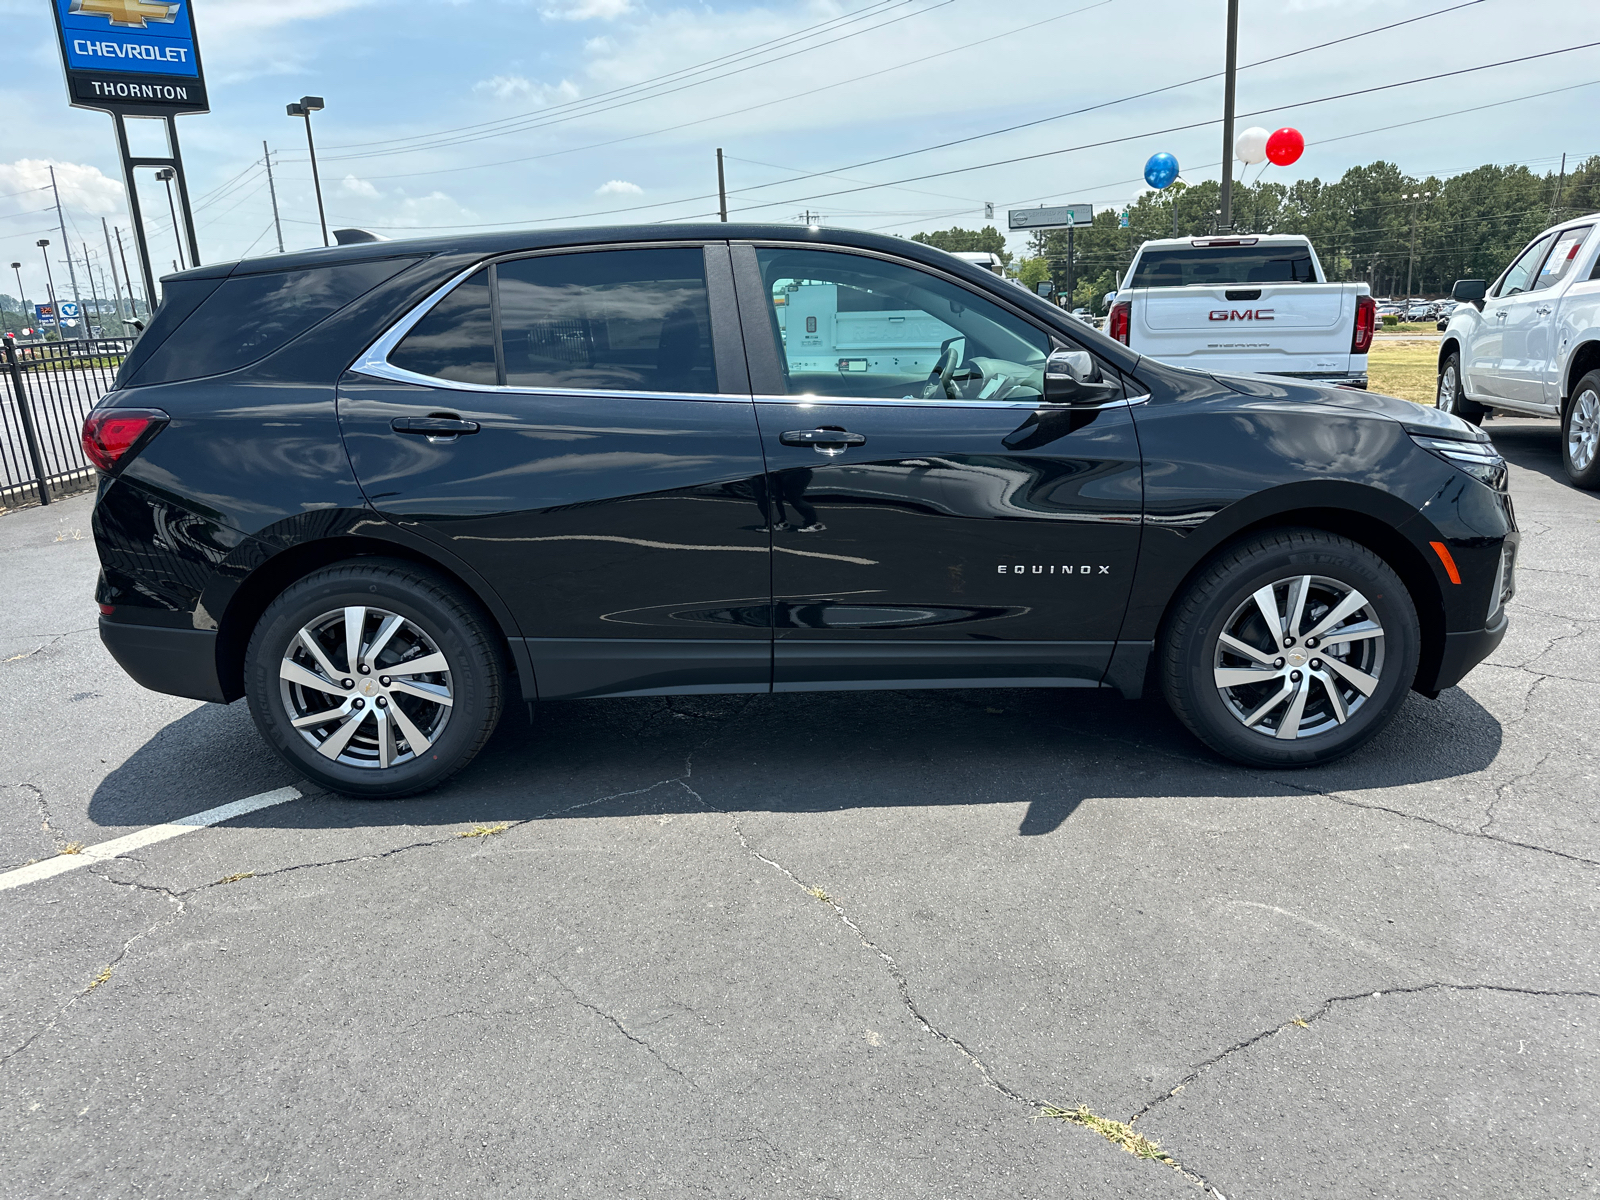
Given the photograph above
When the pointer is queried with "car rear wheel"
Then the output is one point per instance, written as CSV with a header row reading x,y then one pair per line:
x,y
1451,398
1291,649
377,678
1580,433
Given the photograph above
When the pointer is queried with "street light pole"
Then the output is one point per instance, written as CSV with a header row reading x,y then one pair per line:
x,y
165,175
22,295
307,106
50,285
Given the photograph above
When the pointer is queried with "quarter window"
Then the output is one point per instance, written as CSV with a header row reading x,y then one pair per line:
x,y
851,326
617,320
455,340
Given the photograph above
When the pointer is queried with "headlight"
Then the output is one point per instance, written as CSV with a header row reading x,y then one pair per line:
x,y
1478,459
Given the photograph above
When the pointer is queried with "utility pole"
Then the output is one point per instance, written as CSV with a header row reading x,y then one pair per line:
x,y
1225,219
67,246
133,298
722,187
1560,183
112,259
88,269
272,190
1411,260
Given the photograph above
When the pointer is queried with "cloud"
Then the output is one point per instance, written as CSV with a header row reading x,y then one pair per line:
x,y
619,187
358,187
588,10
83,188
517,87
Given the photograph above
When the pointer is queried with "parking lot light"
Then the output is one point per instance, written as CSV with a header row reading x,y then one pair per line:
x,y
50,284
304,108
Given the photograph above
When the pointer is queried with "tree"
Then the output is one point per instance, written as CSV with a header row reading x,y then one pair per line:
x,y
958,240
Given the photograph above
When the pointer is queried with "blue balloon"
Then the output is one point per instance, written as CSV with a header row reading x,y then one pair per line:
x,y
1160,171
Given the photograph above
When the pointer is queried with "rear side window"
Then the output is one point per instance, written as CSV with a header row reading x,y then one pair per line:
x,y
616,320
250,316
179,298
1197,266
455,340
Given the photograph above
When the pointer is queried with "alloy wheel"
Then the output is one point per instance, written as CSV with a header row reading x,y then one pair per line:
x,y
1583,430
1301,656
1446,401
366,687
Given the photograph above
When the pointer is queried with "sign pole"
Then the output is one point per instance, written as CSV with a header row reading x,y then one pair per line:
x,y
1225,220
183,190
141,248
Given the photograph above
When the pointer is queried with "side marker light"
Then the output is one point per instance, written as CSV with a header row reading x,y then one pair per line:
x,y
1443,552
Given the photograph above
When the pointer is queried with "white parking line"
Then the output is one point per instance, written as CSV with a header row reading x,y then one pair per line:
x,y
104,851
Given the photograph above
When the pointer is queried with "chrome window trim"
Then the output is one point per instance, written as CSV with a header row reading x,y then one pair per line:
x,y
374,361
806,400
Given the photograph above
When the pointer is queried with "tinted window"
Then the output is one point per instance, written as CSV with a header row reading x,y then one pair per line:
x,y
1196,266
250,316
1562,258
1520,275
455,340
621,320
857,326
179,298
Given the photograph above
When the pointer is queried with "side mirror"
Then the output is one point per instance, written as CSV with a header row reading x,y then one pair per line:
x,y
1073,377
1442,324
1469,291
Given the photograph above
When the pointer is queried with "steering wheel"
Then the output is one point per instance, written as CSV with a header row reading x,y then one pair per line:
x,y
941,378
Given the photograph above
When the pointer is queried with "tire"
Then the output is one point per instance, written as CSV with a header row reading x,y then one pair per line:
x,y
1339,708
1452,397
368,748
1580,433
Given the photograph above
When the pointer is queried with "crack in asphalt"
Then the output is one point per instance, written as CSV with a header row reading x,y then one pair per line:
x,y
616,1024
180,907
54,638
1329,1004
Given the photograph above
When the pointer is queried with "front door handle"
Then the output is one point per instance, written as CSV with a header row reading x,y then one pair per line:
x,y
824,441
1543,310
433,426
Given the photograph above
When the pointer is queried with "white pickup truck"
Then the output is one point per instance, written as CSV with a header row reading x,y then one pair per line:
x,y
1244,304
1529,344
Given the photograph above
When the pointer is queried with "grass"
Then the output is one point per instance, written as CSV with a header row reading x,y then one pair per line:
x,y
817,893
238,877
1118,1133
70,847
1409,370
103,977
485,830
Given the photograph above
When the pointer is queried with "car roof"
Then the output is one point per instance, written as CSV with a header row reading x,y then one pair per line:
x,y
486,245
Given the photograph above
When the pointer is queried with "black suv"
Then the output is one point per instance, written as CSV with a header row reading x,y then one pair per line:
x,y
377,489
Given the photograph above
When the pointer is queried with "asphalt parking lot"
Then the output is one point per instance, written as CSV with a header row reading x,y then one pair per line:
x,y
810,945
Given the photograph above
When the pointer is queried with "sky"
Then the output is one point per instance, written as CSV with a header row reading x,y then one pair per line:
x,y
891,115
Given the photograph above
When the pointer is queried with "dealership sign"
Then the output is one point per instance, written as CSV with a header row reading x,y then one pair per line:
x,y
131,56
1060,216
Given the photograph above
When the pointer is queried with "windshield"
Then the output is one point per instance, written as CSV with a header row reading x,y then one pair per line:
x,y
1197,266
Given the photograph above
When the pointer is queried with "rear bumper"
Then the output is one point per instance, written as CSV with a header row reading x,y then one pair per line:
x,y
179,662
1462,652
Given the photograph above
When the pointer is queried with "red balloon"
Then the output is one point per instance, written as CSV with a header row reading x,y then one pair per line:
x,y
1285,146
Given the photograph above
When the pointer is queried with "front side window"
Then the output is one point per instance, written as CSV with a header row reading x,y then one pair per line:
x,y
1563,256
850,325
1520,276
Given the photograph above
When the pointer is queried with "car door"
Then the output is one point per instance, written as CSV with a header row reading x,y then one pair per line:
x,y
1486,348
1528,341
577,427
932,519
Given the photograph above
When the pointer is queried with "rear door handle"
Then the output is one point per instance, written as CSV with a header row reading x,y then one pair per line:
x,y
433,426
823,441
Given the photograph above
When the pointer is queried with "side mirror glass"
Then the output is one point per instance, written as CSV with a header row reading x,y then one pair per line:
x,y
1073,377
1469,291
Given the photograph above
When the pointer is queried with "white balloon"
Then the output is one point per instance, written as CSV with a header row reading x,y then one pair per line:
x,y
1251,145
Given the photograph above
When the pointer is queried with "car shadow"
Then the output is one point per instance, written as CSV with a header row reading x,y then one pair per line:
x,y
1533,445
812,752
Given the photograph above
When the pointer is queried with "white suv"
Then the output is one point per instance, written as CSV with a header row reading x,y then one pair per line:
x,y
1530,343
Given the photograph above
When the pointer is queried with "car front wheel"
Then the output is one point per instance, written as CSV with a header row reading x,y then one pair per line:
x,y
1291,649
1451,397
1580,433
377,678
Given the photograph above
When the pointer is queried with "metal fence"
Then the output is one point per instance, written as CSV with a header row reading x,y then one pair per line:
x,y
46,389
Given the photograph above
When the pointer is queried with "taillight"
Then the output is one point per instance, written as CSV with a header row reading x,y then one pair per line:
x,y
1119,320
1366,322
110,433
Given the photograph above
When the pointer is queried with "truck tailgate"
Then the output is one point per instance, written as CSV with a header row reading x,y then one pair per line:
x,y
1290,328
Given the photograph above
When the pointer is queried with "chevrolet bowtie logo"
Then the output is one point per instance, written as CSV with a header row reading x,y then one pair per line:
x,y
127,14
